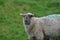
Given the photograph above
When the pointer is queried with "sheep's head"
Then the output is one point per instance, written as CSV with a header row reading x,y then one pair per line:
x,y
27,18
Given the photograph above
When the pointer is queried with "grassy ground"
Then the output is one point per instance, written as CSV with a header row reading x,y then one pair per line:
x,y
11,26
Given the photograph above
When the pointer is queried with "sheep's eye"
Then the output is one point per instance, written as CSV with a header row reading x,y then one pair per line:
x,y
30,16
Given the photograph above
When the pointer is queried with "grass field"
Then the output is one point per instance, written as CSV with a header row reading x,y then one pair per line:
x,y
11,26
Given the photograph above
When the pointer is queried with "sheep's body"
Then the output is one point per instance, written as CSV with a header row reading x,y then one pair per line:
x,y
49,24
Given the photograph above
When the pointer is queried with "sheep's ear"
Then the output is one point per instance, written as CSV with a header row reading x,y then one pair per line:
x,y
32,15
22,14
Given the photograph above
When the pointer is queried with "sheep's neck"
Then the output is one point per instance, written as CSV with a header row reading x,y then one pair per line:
x,y
28,26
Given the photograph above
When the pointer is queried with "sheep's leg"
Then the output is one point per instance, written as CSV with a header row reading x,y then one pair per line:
x,y
32,38
39,36
46,38
29,37
58,38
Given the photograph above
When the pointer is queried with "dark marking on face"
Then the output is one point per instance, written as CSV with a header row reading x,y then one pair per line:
x,y
27,20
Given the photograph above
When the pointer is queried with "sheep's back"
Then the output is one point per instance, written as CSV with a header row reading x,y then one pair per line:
x,y
51,25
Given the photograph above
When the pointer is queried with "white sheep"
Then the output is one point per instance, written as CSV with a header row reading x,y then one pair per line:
x,y
27,24
43,27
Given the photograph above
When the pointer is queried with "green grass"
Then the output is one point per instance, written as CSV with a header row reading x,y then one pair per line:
x,y
11,26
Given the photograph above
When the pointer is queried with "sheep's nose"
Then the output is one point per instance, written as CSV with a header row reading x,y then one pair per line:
x,y
26,22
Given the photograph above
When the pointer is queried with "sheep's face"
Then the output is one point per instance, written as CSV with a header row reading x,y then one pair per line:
x,y
27,17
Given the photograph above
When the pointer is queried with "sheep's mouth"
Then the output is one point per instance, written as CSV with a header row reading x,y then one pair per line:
x,y
27,22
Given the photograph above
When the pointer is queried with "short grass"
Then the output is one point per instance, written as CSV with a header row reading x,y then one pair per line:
x,y
11,26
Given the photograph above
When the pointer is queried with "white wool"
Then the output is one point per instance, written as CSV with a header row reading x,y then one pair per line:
x,y
50,24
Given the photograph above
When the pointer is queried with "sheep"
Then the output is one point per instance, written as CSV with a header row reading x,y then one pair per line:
x,y
43,27
29,22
